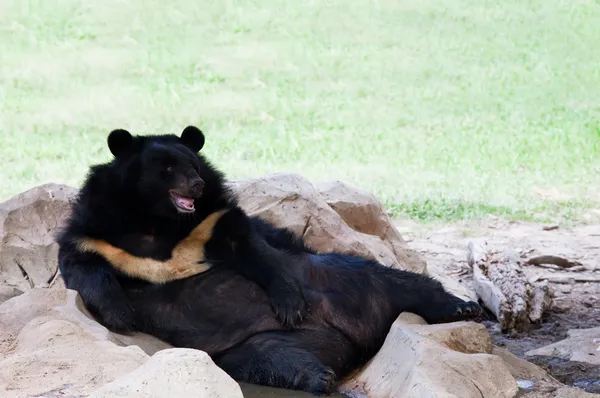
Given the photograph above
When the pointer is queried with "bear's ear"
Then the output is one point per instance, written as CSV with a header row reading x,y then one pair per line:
x,y
119,142
193,138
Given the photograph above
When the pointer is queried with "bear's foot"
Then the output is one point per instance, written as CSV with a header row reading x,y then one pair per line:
x,y
458,310
467,310
317,380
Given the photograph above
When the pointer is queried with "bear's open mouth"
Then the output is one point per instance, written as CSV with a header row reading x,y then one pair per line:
x,y
182,203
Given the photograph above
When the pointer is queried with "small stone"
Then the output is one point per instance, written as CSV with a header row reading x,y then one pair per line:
x,y
525,384
576,347
565,288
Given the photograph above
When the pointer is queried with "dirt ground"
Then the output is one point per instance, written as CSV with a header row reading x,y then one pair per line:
x,y
577,297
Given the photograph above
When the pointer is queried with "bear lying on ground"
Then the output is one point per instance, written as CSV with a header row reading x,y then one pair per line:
x,y
245,267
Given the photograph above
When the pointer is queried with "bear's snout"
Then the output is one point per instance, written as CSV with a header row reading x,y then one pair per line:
x,y
196,187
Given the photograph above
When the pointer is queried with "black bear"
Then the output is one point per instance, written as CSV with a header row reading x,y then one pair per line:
x,y
158,201
145,201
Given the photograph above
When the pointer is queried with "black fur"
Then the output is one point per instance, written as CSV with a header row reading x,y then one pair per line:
x,y
227,311
127,200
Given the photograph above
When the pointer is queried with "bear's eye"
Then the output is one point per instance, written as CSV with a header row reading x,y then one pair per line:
x,y
170,169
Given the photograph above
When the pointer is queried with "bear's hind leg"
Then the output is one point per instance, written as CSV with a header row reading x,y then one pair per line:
x,y
277,360
427,297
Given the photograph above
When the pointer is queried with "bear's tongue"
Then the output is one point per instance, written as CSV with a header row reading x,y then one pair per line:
x,y
184,202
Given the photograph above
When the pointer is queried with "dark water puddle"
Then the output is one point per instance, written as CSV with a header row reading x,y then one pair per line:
x,y
572,373
256,391
554,328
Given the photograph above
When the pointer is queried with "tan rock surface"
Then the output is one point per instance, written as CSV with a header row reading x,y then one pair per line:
x,y
28,224
534,381
581,345
362,212
524,371
291,201
52,347
175,372
416,360
49,346
19,311
561,392
54,354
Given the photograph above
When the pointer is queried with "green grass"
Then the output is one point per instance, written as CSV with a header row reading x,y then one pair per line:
x,y
445,110
444,210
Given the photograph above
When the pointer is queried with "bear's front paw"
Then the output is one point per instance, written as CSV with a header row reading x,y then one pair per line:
x,y
288,303
462,311
469,309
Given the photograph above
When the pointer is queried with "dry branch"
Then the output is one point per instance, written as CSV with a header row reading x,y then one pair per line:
x,y
554,260
504,289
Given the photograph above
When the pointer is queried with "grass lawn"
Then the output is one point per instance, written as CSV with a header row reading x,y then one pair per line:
x,y
445,110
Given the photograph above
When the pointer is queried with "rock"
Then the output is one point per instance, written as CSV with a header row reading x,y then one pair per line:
x,y
562,392
53,354
8,292
175,372
291,201
529,376
18,311
49,346
449,360
534,382
581,345
28,223
465,337
362,212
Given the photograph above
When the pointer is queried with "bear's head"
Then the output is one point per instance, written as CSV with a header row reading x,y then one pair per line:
x,y
163,171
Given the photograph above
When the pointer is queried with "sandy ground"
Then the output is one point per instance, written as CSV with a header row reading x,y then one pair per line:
x,y
577,303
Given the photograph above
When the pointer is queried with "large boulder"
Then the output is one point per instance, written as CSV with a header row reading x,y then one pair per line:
x,y
446,360
362,212
51,347
28,224
325,220
174,372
